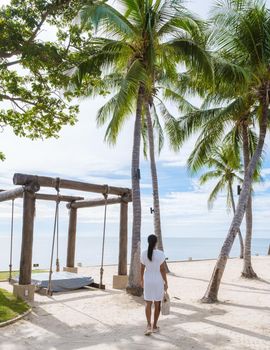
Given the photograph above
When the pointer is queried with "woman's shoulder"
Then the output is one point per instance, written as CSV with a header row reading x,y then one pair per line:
x,y
144,252
160,254
158,251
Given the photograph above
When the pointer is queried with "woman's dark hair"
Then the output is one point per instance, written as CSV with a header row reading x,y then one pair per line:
x,y
152,241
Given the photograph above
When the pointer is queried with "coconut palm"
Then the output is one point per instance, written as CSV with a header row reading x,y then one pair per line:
x,y
242,41
243,139
224,167
244,35
214,129
138,46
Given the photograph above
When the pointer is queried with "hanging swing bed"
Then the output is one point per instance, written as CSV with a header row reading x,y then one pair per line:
x,y
57,281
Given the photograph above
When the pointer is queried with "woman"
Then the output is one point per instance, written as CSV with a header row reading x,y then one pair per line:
x,y
154,281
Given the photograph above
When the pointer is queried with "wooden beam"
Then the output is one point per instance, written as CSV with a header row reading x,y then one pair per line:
x,y
44,196
27,238
94,203
71,237
11,194
44,181
123,239
53,197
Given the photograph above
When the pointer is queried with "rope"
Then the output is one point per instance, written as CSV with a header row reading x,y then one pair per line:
x,y
103,238
55,234
11,240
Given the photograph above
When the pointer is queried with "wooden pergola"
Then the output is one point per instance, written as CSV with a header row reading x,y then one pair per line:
x,y
28,190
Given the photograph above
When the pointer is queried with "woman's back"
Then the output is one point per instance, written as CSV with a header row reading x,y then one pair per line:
x,y
153,265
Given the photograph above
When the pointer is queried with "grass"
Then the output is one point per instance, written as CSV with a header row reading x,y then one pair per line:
x,y
4,275
11,306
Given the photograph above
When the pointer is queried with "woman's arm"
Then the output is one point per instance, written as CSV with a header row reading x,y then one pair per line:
x,y
142,273
164,275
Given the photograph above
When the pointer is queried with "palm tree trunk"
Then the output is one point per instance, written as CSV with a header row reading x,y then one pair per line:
x,y
239,231
248,271
213,287
157,224
134,279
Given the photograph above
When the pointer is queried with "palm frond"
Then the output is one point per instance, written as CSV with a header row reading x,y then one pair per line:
x,y
171,126
123,102
220,186
192,54
180,101
157,127
210,175
106,18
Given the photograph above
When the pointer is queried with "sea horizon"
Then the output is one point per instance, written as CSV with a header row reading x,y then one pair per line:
x,y
88,249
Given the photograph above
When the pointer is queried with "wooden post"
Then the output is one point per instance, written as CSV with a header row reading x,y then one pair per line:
x,y
27,238
71,237
123,239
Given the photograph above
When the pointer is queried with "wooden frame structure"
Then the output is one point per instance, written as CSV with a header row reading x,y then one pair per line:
x,y
30,185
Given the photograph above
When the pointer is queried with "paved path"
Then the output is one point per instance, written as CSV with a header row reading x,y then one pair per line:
x,y
94,319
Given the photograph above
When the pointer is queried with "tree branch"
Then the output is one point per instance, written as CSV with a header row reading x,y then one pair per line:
x,y
8,64
14,99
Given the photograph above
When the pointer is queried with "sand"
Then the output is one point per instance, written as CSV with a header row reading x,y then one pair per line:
x,y
111,319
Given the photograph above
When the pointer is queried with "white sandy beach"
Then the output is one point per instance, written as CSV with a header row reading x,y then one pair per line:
x,y
111,319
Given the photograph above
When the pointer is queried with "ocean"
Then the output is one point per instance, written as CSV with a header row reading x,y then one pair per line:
x,y
88,249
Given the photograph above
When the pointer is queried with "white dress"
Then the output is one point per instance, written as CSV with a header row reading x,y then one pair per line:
x,y
153,281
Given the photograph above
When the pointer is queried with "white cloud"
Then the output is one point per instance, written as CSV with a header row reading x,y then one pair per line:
x,y
81,153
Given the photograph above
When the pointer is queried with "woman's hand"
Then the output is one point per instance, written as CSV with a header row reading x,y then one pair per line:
x,y
165,286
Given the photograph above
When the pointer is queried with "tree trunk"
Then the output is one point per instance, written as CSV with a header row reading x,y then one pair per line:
x,y
134,278
213,287
239,231
157,224
248,271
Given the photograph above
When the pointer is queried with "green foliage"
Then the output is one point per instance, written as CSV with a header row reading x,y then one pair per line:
x,y
4,275
240,38
34,69
10,306
141,45
225,167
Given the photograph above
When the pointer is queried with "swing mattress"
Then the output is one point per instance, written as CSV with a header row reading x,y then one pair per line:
x,y
61,281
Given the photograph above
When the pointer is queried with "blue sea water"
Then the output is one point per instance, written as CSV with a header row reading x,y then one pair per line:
x,y
88,249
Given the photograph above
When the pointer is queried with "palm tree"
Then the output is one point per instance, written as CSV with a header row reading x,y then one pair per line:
x,y
224,167
244,34
242,38
141,44
235,138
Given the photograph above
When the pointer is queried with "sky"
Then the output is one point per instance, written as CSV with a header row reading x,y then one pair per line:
x,y
80,153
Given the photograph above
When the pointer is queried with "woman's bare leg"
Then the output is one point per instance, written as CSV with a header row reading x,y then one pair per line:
x,y
148,306
157,313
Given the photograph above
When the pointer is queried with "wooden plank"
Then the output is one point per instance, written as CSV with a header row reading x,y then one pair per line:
x,y
53,197
97,285
123,239
71,237
98,202
48,197
11,194
27,238
94,203
45,181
